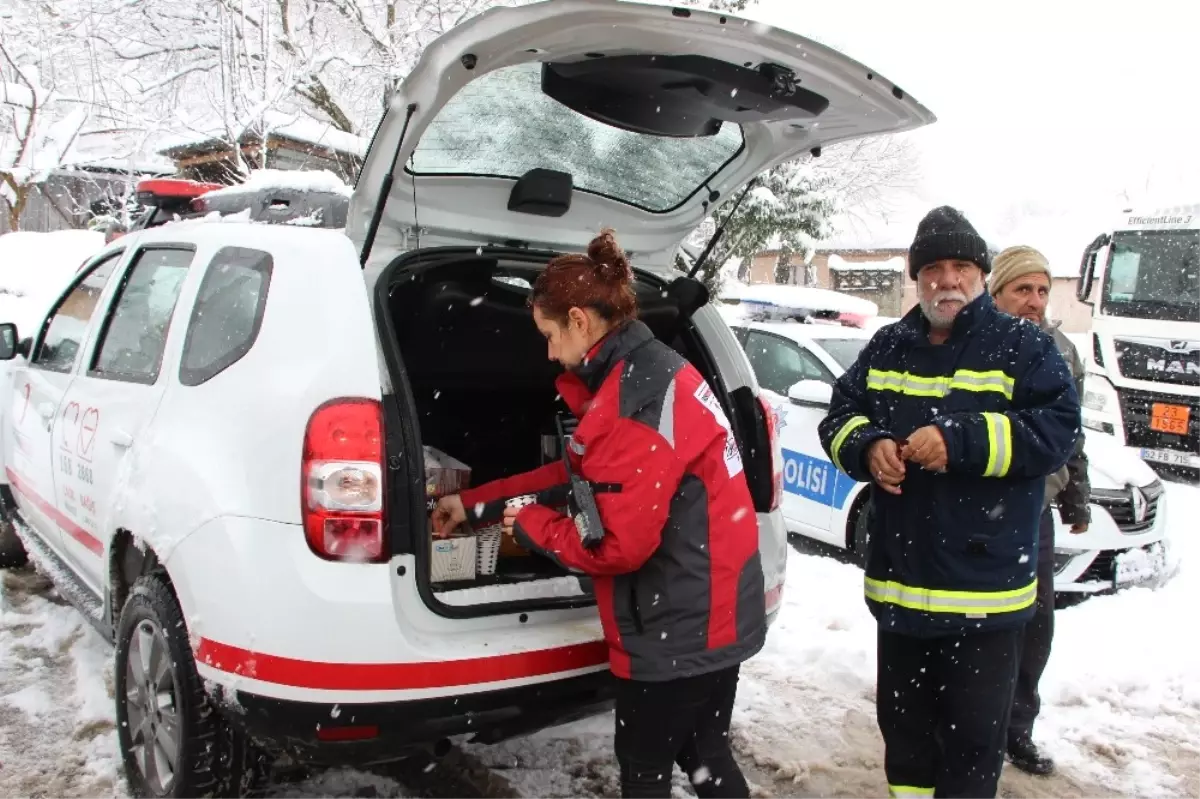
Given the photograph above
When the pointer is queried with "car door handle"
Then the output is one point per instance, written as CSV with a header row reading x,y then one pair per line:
x,y
121,439
45,410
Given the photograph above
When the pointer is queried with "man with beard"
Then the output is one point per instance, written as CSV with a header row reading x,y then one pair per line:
x,y
955,415
1020,286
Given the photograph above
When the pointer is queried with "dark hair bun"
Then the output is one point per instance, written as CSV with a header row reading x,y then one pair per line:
x,y
611,265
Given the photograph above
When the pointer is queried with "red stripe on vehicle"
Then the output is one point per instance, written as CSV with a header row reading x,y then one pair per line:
x,y
69,525
398,676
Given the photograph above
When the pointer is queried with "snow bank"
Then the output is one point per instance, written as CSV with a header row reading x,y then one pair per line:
x,y
806,297
297,180
36,267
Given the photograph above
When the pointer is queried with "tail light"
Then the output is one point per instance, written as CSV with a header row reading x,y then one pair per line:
x,y
342,481
772,421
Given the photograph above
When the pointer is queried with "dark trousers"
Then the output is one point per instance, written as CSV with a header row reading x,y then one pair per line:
x,y
683,721
943,706
1036,640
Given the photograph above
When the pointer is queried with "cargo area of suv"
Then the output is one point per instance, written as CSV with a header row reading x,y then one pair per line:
x,y
482,392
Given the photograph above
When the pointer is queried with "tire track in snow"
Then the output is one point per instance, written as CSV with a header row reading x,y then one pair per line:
x,y
57,736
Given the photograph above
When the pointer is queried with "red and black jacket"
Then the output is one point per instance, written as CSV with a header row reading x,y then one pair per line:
x,y
677,576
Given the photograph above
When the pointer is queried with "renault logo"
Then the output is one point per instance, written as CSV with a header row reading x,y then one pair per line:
x,y
1139,504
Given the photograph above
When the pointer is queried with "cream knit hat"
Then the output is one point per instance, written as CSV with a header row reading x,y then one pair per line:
x,y
1013,263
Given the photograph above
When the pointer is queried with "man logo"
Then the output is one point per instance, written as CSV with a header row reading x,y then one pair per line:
x,y
1181,346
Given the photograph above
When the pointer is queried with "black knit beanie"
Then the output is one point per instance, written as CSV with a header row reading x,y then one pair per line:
x,y
943,234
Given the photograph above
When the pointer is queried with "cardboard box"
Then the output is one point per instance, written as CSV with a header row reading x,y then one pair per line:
x,y
444,474
453,559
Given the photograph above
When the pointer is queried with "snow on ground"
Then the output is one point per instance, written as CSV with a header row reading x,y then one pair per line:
x,y
1121,699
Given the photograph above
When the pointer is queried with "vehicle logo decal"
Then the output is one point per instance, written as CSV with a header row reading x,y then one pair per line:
x,y
1139,504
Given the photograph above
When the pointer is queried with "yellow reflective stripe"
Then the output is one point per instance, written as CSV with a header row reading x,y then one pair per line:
x,y
835,449
933,600
908,791
922,386
999,430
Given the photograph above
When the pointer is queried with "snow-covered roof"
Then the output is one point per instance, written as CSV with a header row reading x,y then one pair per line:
x,y
893,264
806,297
288,126
298,180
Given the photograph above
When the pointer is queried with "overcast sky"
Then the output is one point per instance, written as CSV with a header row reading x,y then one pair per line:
x,y
1058,105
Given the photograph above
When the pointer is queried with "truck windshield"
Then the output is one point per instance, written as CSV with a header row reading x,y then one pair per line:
x,y
1154,275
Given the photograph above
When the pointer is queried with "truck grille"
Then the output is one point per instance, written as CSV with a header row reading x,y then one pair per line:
x,y
1135,412
1132,513
1151,360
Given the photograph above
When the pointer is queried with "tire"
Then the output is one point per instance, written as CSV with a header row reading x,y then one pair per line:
x,y
212,758
862,532
12,551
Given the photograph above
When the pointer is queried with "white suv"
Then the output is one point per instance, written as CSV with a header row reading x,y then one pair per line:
x,y
214,443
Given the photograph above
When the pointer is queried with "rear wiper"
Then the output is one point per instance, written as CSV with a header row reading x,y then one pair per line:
x,y
720,231
385,188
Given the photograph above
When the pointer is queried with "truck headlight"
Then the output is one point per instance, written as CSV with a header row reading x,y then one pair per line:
x,y
1094,400
1099,395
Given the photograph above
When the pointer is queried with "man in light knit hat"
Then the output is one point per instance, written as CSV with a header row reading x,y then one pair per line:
x,y
1020,285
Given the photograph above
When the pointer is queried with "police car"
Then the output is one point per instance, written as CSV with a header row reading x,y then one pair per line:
x,y
1125,543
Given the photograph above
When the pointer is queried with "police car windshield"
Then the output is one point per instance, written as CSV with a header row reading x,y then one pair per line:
x,y
1154,274
844,350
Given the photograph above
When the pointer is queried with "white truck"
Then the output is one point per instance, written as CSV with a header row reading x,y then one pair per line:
x,y
1143,383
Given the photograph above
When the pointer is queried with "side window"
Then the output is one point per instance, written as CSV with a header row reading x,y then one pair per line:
x,y
780,364
63,334
227,315
135,333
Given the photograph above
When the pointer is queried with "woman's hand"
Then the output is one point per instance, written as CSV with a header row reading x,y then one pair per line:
x,y
510,518
448,514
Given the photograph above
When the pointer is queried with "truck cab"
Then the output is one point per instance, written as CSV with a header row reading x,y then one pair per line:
x,y
1142,279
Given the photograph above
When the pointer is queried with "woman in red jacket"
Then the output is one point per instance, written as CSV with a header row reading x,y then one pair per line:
x,y
677,575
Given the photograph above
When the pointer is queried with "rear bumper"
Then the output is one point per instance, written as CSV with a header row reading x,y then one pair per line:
x,y
358,735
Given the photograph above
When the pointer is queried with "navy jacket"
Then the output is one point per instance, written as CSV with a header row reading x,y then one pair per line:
x,y
957,551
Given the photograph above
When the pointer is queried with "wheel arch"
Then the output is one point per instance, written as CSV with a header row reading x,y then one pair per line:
x,y
130,558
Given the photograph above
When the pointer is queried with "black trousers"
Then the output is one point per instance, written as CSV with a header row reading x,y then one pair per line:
x,y
683,721
1036,640
943,706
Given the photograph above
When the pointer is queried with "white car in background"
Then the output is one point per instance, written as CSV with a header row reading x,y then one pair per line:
x,y
1125,543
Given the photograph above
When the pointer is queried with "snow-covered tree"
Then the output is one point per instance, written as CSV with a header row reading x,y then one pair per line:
x,y
333,61
41,113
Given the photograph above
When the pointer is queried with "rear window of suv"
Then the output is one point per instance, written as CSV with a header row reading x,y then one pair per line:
x,y
502,125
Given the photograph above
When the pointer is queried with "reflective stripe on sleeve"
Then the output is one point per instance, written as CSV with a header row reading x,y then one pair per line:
x,y
999,430
835,449
932,600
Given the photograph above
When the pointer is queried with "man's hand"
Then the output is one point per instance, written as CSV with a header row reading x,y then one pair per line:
x,y
1081,527
926,447
883,459
448,514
